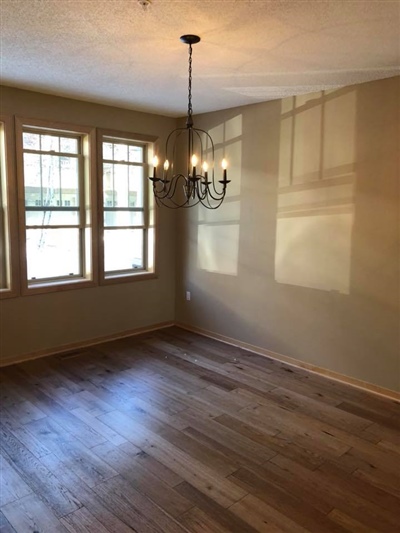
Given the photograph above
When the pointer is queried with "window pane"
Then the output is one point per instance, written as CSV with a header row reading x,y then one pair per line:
x,y
52,218
32,173
108,185
69,181
50,142
68,145
120,152
52,253
50,174
123,249
123,218
136,154
121,173
135,187
107,150
31,141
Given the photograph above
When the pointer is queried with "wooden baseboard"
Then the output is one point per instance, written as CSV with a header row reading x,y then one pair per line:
x,y
83,344
364,385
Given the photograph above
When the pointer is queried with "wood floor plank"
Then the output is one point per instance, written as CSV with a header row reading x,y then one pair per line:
x,y
26,411
332,415
135,509
98,426
30,514
12,486
279,443
196,521
143,480
5,526
389,482
350,524
82,521
263,517
385,420
37,476
202,476
224,436
171,431
303,427
87,465
53,408
88,498
285,503
224,517
343,496
23,435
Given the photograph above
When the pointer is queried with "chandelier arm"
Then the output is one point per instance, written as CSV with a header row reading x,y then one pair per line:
x,y
165,191
211,207
216,195
173,186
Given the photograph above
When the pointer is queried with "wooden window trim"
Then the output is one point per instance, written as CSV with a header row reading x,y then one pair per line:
x,y
12,214
90,169
149,141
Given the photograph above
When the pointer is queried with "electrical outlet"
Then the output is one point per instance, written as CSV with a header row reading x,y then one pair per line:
x,y
188,296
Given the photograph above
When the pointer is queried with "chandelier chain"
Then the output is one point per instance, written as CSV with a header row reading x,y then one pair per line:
x,y
190,108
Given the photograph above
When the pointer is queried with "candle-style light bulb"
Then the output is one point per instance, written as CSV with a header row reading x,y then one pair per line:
x,y
194,163
224,165
205,170
155,163
166,165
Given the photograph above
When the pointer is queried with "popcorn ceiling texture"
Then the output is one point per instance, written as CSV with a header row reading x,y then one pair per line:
x,y
115,52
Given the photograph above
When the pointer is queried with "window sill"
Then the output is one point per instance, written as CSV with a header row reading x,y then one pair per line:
x,y
128,278
46,287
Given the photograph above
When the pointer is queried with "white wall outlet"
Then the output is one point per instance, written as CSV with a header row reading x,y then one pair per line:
x,y
188,296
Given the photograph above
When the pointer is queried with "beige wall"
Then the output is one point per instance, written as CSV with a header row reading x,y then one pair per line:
x,y
42,322
303,257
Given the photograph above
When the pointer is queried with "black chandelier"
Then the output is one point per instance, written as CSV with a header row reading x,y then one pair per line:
x,y
175,189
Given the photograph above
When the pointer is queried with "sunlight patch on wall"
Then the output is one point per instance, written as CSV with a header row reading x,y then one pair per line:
x,y
218,230
315,251
316,191
218,248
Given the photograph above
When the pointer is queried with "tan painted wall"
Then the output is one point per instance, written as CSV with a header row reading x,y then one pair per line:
x,y
41,322
303,257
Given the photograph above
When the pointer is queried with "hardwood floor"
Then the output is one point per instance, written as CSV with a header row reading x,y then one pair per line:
x,y
174,432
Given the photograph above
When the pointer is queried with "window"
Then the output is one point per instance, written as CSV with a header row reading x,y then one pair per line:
x,y
8,235
127,210
56,229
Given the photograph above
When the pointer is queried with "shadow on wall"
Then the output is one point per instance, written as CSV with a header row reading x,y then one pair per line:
x,y
218,230
315,212
302,257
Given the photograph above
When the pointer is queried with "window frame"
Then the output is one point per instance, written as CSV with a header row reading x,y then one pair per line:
x,y
9,190
88,182
148,142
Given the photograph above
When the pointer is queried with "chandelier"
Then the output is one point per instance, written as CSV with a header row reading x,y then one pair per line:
x,y
198,185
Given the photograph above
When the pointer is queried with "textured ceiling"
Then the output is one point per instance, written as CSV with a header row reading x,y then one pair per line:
x,y
115,52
